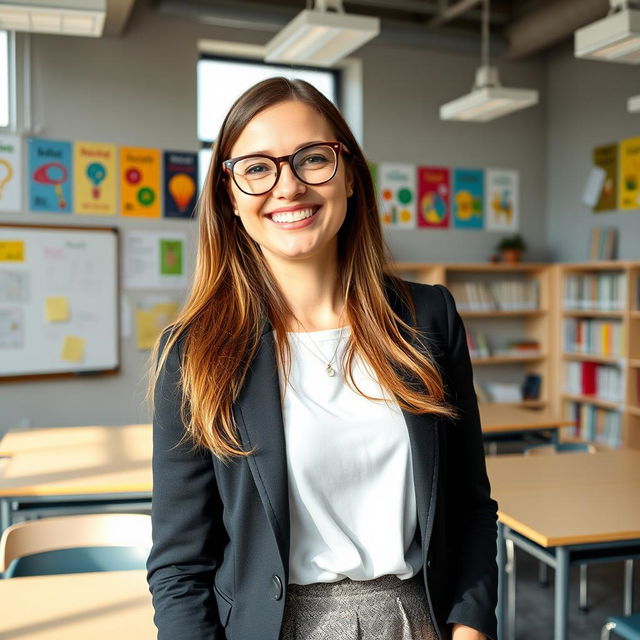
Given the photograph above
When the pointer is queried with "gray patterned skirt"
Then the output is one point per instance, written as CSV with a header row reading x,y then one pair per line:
x,y
386,608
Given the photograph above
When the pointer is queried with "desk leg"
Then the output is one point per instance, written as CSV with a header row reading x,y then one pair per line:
x,y
628,587
5,514
501,609
562,595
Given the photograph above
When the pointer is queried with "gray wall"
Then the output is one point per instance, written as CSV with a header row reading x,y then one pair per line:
x,y
140,90
587,107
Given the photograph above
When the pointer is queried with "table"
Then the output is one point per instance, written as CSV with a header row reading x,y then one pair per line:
x,y
566,509
93,465
100,606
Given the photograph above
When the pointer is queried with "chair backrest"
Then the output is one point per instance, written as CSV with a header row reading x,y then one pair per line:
x,y
561,447
58,538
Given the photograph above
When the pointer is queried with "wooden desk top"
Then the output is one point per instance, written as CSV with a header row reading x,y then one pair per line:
x,y
569,498
76,460
497,418
103,605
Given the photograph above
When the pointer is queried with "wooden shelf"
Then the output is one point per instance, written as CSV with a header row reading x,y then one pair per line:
x,y
634,362
598,402
503,314
591,357
633,410
635,314
507,359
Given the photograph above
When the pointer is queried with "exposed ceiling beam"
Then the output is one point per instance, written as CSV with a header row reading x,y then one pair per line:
x,y
453,11
118,14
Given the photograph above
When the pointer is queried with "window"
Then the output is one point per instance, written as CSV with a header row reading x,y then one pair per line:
x,y
220,81
6,75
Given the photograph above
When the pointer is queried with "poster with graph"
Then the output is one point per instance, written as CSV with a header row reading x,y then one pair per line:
x,y
140,182
397,189
50,176
434,193
94,178
468,198
501,198
629,189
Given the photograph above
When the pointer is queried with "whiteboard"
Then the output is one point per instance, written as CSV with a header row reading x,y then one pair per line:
x,y
59,303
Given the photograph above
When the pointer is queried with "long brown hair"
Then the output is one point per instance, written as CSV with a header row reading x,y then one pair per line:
x,y
234,291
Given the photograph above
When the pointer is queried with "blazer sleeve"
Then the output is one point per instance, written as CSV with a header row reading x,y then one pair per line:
x,y
476,584
186,521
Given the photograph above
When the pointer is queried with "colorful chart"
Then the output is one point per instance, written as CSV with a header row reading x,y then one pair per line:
x,y
180,184
434,193
468,198
503,211
397,184
10,173
94,179
50,176
629,187
140,182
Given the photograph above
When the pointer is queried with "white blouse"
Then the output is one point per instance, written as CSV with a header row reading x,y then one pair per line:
x,y
351,493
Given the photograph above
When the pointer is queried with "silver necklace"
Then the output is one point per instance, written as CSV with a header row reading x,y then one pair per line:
x,y
330,371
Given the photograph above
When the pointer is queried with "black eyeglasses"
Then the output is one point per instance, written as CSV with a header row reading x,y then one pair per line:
x,y
313,164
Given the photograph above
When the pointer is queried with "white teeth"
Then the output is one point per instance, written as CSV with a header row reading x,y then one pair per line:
x,y
292,216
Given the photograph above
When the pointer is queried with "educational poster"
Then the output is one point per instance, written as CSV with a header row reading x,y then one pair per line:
x,y
180,184
10,173
397,188
155,260
434,193
468,198
502,200
94,178
606,159
140,182
50,176
629,188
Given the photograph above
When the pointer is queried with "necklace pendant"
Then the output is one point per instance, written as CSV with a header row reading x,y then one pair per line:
x,y
330,371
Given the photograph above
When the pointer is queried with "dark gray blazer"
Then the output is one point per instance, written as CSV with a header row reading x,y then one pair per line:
x,y
218,568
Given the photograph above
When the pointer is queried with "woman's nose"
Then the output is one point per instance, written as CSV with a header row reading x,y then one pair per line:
x,y
289,185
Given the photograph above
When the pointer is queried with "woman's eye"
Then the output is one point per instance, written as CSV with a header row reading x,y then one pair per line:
x,y
256,169
314,159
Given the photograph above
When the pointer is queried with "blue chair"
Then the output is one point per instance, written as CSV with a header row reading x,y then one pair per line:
x,y
76,544
627,627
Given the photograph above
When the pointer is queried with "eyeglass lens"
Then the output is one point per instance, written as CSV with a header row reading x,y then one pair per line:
x,y
312,165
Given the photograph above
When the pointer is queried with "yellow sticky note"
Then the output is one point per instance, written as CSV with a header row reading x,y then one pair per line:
x,y
73,349
11,251
57,309
151,322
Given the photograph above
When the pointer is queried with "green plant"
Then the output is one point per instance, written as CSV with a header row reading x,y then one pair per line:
x,y
512,242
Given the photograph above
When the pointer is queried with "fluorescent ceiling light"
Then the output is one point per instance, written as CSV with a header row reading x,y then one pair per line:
x,y
615,38
487,100
62,17
633,104
321,38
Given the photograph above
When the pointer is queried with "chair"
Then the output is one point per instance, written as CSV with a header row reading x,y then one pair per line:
x,y
627,627
76,544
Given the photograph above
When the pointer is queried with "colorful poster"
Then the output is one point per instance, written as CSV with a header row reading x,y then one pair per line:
x,y
606,158
503,211
50,176
397,188
434,193
468,198
10,173
180,184
94,178
140,182
629,188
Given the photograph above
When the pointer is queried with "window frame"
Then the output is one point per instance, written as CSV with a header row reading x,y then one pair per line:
x,y
11,83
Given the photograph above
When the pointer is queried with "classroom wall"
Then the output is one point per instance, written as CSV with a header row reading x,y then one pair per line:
x,y
139,89
587,107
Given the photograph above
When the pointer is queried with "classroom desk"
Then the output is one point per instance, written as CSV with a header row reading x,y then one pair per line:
x,y
565,509
77,606
93,465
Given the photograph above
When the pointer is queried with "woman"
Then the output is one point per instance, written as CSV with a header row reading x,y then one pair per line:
x,y
318,461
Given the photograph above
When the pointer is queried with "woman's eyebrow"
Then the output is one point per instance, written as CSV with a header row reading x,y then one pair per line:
x,y
268,153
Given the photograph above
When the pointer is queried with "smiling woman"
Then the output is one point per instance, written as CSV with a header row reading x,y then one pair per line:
x,y
318,460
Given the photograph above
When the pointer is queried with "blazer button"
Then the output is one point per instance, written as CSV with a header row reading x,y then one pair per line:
x,y
276,587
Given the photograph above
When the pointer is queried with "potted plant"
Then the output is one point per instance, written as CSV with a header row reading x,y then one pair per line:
x,y
511,248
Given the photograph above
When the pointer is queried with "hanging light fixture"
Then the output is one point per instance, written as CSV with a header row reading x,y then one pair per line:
x,y
320,37
488,99
615,38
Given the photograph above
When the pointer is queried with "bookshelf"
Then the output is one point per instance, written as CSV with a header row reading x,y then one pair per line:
x,y
598,359
506,312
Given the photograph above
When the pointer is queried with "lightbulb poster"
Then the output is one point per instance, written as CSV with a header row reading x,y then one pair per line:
x,y
629,188
10,173
468,199
94,178
397,189
140,182
180,184
501,196
50,175
434,192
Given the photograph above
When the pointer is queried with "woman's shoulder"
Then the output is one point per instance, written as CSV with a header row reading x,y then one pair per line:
x,y
428,298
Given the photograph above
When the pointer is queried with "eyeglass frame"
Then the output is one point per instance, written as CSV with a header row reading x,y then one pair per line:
x,y
227,165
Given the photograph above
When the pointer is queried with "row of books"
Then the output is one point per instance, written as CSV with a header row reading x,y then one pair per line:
x,y
595,291
590,378
479,346
501,295
596,337
509,392
596,424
